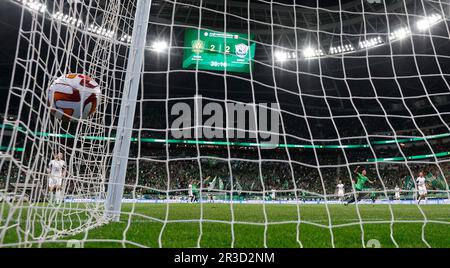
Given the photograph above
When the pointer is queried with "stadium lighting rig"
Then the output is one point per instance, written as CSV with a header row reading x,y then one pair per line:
x,y
67,19
159,46
372,42
428,22
342,49
400,34
310,52
396,35
281,55
34,5
126,38
101,31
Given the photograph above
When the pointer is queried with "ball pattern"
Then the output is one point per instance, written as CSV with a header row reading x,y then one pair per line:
x,y
74,97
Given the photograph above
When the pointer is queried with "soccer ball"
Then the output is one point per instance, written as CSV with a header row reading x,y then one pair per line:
x,y
73,97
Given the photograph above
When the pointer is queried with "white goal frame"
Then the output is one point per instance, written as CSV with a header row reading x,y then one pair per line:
x,y
119,164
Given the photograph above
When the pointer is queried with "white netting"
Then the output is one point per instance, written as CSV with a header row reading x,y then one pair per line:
x,y
51,45
347,84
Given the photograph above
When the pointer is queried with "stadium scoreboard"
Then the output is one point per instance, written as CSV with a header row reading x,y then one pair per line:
x,y
218,51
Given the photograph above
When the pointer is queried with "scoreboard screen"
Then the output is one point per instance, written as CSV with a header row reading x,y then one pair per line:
x,y
218,51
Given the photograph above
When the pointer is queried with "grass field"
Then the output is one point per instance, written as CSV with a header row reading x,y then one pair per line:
x,y
244,226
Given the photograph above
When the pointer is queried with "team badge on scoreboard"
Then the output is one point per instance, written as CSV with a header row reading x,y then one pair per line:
x,y
242,50
198,46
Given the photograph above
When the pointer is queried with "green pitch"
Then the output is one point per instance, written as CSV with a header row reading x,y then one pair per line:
x,y
274,226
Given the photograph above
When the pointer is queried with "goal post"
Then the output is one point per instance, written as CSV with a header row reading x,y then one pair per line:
x,y
121,151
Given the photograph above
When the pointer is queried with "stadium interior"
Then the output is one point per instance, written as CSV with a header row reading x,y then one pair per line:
x,y
356,84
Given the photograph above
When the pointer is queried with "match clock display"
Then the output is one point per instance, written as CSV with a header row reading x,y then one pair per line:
x,y
218,51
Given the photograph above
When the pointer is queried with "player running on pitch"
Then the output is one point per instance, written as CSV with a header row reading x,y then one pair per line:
x,y
359,186
422,187
273,195
191,193
397,193
341,191
57,170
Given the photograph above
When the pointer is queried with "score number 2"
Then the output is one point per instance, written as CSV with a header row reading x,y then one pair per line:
x,y
212,48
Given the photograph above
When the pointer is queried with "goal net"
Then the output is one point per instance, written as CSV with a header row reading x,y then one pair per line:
x,y
245,116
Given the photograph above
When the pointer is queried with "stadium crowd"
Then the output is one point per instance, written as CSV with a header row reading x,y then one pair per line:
x,y
250,176
253,176
246,169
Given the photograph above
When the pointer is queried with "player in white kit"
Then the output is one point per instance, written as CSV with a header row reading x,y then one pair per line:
x,y
57,170
191,193
274,195
397,193
422,187
341,191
